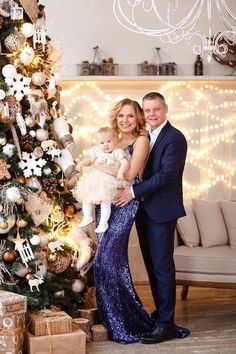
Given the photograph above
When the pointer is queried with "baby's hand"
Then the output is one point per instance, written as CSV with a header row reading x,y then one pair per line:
x,y
79,167
120,176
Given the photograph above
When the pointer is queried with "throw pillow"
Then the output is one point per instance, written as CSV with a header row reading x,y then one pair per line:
x,y
229,212
187,227
210,222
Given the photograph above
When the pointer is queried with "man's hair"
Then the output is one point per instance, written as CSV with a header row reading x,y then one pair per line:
x,y
153,96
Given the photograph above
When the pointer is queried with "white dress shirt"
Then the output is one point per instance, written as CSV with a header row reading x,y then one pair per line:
x,y
153,137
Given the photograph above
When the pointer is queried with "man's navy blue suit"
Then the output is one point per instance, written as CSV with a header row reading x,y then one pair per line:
x,y
161,205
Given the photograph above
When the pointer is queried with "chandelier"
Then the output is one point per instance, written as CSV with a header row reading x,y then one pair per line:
x,y
176,20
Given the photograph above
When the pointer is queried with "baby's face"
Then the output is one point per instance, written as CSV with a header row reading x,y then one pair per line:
x,y
107,142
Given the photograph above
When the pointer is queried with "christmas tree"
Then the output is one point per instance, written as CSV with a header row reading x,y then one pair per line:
x,y
43,254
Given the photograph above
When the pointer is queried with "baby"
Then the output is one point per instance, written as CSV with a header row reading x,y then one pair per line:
x,y
100,187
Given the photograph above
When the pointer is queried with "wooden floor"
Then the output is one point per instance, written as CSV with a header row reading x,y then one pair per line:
x,y
210,314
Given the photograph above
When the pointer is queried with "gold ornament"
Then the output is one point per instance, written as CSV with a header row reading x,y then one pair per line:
x,y
21,179
34,183
9,256
20,201
52,257
3,140
30,121
3,225
30,275
57,214
70,210
38,152
21,223
61,263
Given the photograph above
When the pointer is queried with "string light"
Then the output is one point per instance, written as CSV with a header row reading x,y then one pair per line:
x,y
204,112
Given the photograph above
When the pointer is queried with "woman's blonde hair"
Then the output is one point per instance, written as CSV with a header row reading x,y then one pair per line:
x,y
140,128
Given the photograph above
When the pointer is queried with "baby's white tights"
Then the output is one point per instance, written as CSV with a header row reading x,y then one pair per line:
x,y
87,209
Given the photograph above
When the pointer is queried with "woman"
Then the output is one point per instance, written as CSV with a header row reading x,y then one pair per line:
x,y
119,307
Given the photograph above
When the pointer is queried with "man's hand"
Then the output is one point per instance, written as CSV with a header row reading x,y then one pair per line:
x,y
123,197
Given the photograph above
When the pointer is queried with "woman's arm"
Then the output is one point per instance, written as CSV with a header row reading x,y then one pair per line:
x,y
138,158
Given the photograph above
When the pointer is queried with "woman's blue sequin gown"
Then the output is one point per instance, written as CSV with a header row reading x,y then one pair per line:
x,y
120,309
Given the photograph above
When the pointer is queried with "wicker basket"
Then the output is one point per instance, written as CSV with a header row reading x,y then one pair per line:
x,y
48,322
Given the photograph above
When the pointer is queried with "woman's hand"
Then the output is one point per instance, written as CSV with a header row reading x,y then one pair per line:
x,y
111,170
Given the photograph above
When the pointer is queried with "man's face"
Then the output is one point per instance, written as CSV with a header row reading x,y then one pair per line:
x,y
155,112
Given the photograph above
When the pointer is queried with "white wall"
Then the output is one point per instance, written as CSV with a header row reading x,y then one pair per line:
x,y
80,25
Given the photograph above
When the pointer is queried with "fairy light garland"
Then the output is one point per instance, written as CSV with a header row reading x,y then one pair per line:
x,y
204,112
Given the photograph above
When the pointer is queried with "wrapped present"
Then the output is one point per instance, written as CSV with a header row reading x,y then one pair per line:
x,y
69,343
90,314
11,303
12,322
49,322
99,333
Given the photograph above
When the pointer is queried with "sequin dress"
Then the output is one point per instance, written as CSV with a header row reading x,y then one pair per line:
x,y
120,309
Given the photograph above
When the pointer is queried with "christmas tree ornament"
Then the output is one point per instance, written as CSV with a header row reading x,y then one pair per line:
x,y
24,249
17,12
3,139
2,94
19,86
27,143
14,41
10,220
55,246
34,183
44,239
57,214
35,282
31,165
4,173
30,121
35,240
9,150
38,104
27,29
3,225
27,56
43,195
21,223
39,38
60,293
38,152
9,71
66,162
20,201
47,171
31,8
38,208
13,194
10,110
70,210
22,271
9,256
38,78
32,133
61,263
21,179
62,130
49,184
41,134
20,121
5,8
29,275
77,286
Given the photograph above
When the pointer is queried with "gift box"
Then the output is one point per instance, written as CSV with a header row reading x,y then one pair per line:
x,y
91,314
11,303
49,322
99,333
69,343
12,322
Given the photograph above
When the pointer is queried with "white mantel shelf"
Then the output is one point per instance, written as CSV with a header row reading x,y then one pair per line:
x,y
150,78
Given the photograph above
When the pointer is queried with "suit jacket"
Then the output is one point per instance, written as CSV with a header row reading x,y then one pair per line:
x,y
161,189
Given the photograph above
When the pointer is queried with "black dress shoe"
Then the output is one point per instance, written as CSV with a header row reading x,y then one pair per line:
x,y
158,335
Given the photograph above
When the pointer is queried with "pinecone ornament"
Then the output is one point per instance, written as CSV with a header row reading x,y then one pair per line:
x,y
27,143
49,184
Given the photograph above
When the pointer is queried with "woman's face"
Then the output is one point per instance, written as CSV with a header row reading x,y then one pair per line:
x,y
127,119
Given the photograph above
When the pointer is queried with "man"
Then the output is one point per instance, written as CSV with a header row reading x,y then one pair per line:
x,y
161,205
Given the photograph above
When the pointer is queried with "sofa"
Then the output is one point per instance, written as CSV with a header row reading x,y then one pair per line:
x,y
205,245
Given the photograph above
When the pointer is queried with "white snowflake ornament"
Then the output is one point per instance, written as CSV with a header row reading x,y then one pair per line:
x,y
19,86
31,165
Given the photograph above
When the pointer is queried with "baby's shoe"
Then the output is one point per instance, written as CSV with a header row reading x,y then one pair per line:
x,y
102,227
86,221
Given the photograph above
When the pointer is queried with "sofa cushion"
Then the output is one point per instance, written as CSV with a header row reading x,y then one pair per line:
x,y
213,264
210,222
229,212
187,227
